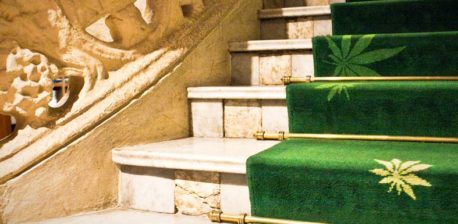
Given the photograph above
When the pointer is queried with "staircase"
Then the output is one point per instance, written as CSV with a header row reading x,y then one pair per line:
x,y
181,180
207,171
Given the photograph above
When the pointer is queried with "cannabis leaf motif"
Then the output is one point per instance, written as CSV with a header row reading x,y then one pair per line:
x,y
400,174
351,62
336,89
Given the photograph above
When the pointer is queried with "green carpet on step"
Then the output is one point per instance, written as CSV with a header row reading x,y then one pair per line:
x,y
418,54
414,108
394,16
341,182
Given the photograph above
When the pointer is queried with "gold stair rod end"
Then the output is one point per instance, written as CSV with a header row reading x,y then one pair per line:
x,y
262,135
259,135
218,216
215,215
290,79
286,79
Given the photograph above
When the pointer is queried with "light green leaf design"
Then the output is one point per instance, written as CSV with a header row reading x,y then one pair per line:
x,y
335,59
334,48
364,71
375,56
402,180
338,70
325,86
353,61
336,89
361,45
346,44
332,93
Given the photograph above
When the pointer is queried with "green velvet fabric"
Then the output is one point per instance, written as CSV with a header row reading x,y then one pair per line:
x,y
418,54
384,0
330,181
417,108
394,16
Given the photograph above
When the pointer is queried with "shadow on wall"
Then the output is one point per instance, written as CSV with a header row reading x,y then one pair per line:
x,y
7,124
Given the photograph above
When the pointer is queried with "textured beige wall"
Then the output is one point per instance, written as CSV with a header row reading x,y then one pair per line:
x,y
81,176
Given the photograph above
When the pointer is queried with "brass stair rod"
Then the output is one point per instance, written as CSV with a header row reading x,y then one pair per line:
x,y
218,216
261,135
307,79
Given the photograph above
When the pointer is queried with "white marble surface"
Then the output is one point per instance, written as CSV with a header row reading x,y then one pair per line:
x,y
207,118
302,65
271,45
197,192
272,67
322,25
119,216
204,154
299,28
242,118
237,92
294,12
147,189
235,197
274,116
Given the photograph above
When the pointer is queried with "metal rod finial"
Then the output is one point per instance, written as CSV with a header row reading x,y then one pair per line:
x,y
215,215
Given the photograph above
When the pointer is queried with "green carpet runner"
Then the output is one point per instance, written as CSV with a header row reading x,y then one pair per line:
x,y
394,16
419,54
341,182
344,181
417,108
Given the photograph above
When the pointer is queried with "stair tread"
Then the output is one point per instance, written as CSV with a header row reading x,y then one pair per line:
x,y
271,45
119,216
294,12
237,92
205,154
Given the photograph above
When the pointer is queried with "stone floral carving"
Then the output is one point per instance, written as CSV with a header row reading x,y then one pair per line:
x,y
27,88
86,38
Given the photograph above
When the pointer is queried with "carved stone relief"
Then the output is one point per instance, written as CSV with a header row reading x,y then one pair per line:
x,y
27,90
76,38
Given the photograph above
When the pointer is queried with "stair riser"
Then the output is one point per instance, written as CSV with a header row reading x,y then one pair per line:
x,y
267,68
272,4
296,27
237,118
184,192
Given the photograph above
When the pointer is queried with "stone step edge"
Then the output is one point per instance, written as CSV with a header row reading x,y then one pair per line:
x,y
271,45
113,215
238,92
225,155
304,11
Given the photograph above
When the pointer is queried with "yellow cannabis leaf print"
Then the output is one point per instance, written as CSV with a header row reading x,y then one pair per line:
x,y
400,175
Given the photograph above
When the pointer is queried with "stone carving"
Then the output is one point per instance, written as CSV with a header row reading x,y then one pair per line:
x,y
86,38
26,87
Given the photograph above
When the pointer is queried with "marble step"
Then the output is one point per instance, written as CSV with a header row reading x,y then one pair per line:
x,y
186,176
295,22
265,62
272,4
122,216
237,111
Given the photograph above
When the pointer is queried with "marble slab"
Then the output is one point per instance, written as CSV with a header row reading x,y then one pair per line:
x,y
207,118
227,155
146,189
242,118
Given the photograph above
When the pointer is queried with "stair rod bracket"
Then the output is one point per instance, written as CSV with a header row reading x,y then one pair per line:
x,y
262,135
218,216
